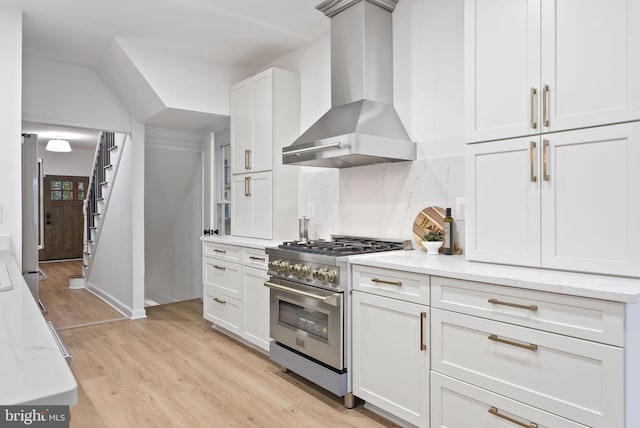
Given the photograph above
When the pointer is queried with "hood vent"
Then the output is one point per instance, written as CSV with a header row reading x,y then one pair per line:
x,y
362,127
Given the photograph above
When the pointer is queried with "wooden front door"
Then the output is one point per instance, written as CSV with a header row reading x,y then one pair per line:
x,y
63,218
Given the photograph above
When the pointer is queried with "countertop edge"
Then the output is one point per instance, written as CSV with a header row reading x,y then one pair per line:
x,y
618,289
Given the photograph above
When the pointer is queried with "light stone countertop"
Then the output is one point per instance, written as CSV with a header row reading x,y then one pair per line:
x,y
603,287
32,368
259,244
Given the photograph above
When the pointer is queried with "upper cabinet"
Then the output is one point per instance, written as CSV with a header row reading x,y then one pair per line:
x,y
537,66
265,117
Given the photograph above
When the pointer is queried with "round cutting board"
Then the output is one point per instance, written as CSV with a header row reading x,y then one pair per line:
x,y
430,218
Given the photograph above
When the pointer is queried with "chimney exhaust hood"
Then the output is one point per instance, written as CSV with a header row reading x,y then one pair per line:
x,y
362,126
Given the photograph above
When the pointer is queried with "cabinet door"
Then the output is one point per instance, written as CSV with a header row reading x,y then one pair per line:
x,y
241,126
240,206
591,62
591,200
503,202
390,369
260,189
261,157
255,311
251,207
502,65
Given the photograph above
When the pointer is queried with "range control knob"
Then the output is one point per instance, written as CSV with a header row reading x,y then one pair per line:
x,y
304,271
273,265
282,266
330,276
295,269
318,274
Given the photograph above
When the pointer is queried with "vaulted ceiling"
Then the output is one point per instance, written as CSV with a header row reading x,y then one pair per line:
x,y
246,33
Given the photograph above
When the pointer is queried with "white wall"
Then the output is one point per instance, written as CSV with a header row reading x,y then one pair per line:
x,y
383,200
65,94
10,126
173,215
78,162
184,82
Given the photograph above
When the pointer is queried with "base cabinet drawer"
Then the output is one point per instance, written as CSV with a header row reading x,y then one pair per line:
x,y
590,319
407,286
223,276
222,310
579,380
456,404
221,251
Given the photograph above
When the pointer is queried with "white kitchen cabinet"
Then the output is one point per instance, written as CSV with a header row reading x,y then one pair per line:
x,y
573,378
255,307
391,341
456,404
252,207
234,296
537,66
567,200
265,117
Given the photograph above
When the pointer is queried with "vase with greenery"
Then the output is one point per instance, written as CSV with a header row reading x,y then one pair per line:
x,y
432,240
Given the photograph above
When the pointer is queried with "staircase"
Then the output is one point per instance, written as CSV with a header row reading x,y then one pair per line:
x,y
105,168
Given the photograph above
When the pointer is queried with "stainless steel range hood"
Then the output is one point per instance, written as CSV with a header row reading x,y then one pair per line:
x,y
362,127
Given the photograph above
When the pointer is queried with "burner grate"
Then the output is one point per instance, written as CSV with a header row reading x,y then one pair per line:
x,y
342,246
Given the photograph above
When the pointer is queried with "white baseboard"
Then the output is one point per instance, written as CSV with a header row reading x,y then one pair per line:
x,y
139,314
76,283
110,300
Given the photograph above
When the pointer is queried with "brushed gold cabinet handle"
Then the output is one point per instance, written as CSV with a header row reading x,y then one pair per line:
x,y
215,299
382,281
219,267
532,308
530,347
494,411
219,251
532,107
532,161
256,258
545,157
545,105
247,159
423,316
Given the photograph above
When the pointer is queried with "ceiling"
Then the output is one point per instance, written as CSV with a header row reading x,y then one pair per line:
x,y
79,138
247,33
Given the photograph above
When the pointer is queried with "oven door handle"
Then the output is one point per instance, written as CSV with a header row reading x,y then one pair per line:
x,y
333,300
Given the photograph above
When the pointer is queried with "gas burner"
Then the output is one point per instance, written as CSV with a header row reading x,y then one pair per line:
x,y
343,246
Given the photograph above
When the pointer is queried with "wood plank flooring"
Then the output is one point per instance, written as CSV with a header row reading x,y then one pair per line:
x,y
173,370
70,308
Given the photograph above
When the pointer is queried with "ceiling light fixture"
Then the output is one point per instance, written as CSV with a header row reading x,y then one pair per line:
x,y
58,145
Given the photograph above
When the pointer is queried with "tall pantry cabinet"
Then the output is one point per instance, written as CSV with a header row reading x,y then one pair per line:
x,y
265,116
552,93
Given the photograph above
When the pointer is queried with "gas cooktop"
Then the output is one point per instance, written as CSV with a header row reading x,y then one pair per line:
x,y
344,246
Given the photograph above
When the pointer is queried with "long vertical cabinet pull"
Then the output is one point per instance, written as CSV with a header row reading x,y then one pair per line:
x,y
532,161
423,316
247,159
532,108
545,105
545,160
246,186
248,181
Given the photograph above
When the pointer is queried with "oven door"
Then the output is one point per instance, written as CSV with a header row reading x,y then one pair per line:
x,y
309,320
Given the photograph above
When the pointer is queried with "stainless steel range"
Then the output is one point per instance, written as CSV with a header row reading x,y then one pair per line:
x,y
310,307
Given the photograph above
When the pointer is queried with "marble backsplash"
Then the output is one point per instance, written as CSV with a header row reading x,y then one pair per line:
x,y
379,200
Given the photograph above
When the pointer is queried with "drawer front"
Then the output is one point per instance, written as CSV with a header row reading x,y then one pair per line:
x,y
392,283
222,310
597,320
456,404
254,258
582,381
221,251
223,276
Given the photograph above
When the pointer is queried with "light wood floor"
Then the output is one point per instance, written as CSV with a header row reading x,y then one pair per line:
x,y
70,308
172,369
